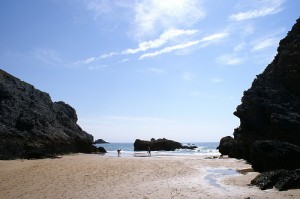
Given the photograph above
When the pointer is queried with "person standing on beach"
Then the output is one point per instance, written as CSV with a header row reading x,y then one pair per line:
x,y
149,151
119,152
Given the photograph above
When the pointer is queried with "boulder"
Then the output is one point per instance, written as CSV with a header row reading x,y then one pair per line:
x,y
272,155
280,179
32,126
229,146
156,145
101,150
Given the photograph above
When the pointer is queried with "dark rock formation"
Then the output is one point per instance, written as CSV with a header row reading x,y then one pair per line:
x,y
100,141
229,146
32,126
270,109
157,145
189,147
280,179
101,150
272,154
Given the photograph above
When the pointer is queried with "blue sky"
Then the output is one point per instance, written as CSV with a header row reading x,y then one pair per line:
x,y
145,68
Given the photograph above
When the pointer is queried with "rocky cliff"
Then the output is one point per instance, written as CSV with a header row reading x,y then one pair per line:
x,y
31,125
269,131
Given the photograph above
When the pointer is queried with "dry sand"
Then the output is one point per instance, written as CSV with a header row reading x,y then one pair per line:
x,y
96,176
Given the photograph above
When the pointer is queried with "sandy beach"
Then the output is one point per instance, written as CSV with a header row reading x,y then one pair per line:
x,y
96,176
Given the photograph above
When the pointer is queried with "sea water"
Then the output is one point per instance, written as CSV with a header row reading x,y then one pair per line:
x,y
127,149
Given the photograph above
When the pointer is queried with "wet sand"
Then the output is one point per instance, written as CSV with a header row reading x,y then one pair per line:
x,y
96,176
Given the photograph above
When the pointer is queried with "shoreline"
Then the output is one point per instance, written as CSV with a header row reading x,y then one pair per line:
x,y
97,176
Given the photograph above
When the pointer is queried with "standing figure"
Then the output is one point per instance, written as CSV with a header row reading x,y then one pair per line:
x,y
119,152
149,151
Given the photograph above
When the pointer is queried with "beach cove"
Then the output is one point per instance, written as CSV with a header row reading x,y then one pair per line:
x,y
98,176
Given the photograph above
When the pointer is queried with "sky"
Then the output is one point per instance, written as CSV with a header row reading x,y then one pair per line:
x,y
143,69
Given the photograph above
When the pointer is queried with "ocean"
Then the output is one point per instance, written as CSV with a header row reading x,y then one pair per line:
x,y
203,148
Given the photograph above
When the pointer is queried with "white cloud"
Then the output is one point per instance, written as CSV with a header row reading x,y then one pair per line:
x,y
86,61
264,8
98,67
153,15
230,59
123,61
144,46
163,38
187,76
214,37
207,39
93,59
170,49
216,80
107,55
156,70
259,45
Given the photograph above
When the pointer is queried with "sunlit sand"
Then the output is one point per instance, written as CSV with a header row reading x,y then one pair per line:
x,y
96,176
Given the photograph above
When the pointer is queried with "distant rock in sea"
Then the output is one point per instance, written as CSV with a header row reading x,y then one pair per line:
x,y
32,126
269,133
159,145
100,141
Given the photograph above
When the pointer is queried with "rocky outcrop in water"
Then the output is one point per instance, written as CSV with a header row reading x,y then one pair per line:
x,y
158,145
32,126
270,109
100,141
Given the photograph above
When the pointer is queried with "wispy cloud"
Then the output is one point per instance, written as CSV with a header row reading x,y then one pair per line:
x,y
46,55
170,49
123,61
163,39
98,67
156,70
239,47
261,44
265,8
98,7
107,55
153,15
86,61
214,37
144,46
93,59
230,59
216,80
210,38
